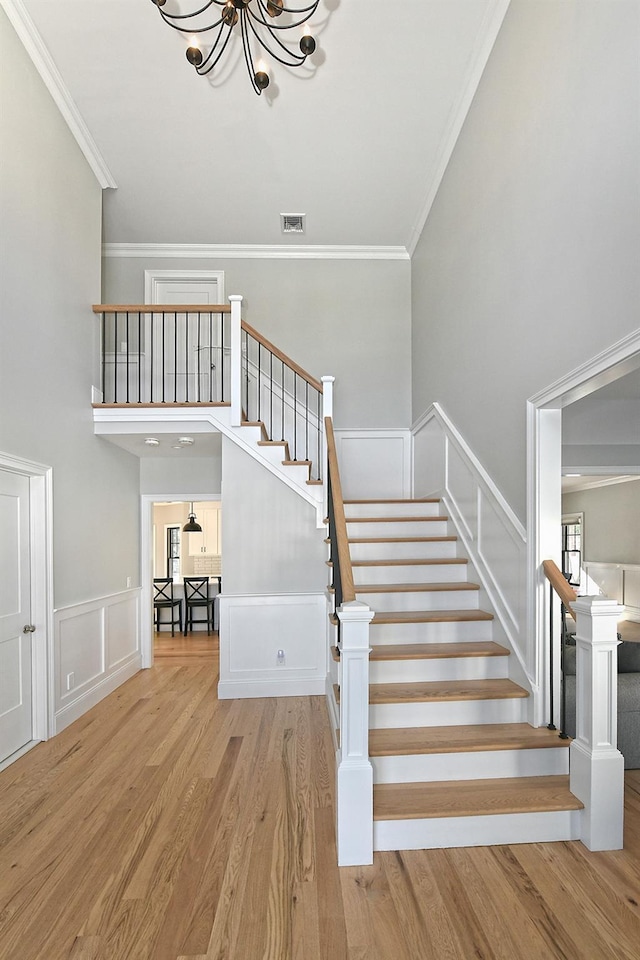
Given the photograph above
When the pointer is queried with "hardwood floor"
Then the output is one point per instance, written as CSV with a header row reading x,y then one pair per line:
x,y
166,825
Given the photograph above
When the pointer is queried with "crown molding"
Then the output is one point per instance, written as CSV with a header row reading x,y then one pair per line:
x,y
52,79
487,36
211,251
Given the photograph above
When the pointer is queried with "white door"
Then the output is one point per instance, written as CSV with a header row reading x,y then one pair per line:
x,y
15,615
188,358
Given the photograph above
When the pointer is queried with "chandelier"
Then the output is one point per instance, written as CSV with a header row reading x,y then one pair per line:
x,y
258,28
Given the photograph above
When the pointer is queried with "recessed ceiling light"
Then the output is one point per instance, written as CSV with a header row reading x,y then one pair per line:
x,y
185,441
176,446
573,474
152,441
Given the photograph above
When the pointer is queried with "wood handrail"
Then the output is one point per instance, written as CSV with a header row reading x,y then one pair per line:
x,y
564,590
161,308
342,544
282,356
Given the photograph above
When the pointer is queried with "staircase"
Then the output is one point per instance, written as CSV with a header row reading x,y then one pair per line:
x,y
454,761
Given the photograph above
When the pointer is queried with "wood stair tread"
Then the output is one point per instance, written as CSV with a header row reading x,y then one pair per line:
x,y
437,651
429,616
431,587
438,691
411,741
469,798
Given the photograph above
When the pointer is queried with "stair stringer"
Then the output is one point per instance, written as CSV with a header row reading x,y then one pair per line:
x,y
192,419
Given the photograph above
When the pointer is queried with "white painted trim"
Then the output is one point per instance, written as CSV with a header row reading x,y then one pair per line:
x,y
487,35
544,458
73,711
18,753
72,704
41,535
209,251
153,277
247,689
52,79
391,433
147,501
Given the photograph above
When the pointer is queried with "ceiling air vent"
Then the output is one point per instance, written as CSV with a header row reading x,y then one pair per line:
x,y
292,222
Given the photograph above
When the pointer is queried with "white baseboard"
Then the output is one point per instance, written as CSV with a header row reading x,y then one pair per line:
x,y
73,711
294,687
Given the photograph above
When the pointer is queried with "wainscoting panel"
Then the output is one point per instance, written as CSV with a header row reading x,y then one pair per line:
x,y
374,463
254,629
96,648
492,536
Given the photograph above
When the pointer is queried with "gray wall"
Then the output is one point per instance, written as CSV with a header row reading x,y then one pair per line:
x,y
528,264
611,521
345,318
270,542
193,476
50,225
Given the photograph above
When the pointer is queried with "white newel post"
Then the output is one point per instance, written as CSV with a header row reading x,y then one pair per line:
x,y
354,771
236,360
327,411
597,766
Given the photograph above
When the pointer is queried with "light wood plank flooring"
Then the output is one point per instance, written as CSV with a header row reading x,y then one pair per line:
x,y
165,825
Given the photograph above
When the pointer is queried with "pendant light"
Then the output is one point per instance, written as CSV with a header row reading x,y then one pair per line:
x,y
192,525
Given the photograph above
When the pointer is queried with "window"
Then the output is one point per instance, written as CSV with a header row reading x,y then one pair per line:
x,y
173,552
572,549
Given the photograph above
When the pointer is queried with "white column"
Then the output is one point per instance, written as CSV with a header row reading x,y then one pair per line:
x,y
236,360
354,773
327,411
597,766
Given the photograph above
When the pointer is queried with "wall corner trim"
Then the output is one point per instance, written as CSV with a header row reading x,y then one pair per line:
x,y
238,251
34,45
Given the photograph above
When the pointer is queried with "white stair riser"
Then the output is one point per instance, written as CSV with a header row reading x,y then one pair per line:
x,y
482,765
481,831
442,713
399,528
299,473
250,434
402,550
416,671
407,573
421,600
453,631
273,454
382,509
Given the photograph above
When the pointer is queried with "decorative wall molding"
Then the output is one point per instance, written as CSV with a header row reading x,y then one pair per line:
x,y
96,648
493,537
477,62
253,628
52,79
374,463
213,251
617,581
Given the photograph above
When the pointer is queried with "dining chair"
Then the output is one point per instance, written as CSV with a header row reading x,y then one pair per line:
x,y
163,599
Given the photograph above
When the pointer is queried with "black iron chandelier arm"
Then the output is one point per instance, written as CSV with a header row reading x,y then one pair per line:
x,y
247,53
192,30
297,59
168,17
205,67
263,8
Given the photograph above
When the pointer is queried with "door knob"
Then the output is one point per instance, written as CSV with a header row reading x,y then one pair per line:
x,y
28,628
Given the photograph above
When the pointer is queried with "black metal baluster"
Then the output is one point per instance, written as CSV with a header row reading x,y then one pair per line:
x,y
197,364
151,339
163,355
271,395
551,725
221,362
175,357
126,330
186,357
306,412
115,357
104,358
282,380
295,415
259,404
563,680
139,358
319,433
211,356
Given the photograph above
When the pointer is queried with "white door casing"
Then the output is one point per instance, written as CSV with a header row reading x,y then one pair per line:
x,y
16,725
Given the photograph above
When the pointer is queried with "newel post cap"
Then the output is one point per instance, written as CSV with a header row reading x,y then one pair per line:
x,y
235,297
595,606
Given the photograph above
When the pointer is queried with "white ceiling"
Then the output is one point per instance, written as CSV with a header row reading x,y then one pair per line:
x,y
358,141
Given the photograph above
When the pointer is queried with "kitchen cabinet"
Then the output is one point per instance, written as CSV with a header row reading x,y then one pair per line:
x,y
208,542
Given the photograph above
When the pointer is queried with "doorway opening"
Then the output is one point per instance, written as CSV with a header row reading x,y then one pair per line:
x,y
182,557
